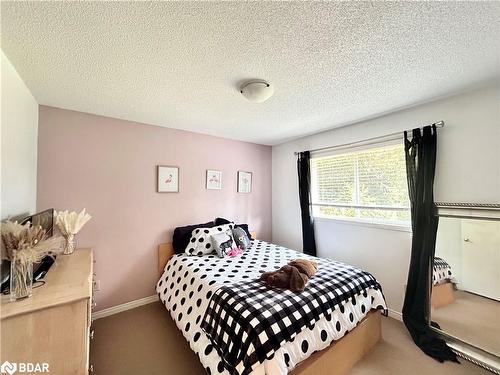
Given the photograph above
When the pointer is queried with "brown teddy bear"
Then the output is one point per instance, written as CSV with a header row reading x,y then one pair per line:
x,y
293,276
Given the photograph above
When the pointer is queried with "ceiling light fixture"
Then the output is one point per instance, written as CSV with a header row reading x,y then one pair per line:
x,y
257,91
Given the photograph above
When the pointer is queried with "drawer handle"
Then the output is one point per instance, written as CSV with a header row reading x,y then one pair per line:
x,y
91,369
94,304
91,335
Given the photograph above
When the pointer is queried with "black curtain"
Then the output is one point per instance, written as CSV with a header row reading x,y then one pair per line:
x,y
420,153
303,169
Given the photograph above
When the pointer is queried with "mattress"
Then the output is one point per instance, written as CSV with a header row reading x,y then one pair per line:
x,y
189,283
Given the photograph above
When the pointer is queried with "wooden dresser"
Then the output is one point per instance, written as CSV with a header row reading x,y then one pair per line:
x,y
53,326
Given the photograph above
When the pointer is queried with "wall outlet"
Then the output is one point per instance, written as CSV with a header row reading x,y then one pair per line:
x,y
97,285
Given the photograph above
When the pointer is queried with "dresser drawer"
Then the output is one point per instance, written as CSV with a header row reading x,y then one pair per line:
x,y
53,325
57,336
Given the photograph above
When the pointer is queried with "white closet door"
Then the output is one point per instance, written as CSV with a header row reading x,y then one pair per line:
x,y
481,257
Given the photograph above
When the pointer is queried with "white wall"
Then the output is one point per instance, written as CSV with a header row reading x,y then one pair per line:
x,y
19,137
468,170
449,244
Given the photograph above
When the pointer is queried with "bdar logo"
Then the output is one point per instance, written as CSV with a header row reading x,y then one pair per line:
x,y
8,368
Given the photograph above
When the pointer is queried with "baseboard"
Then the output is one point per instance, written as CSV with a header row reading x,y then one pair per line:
x,y
395,315
146,300
124,307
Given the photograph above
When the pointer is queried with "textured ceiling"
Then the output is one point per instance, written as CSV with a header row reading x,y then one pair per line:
x,y
179,64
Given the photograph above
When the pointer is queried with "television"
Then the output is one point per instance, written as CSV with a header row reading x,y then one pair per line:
x,y
45,219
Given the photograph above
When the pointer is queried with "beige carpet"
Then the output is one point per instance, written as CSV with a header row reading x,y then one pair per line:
x,y
146,341
472,318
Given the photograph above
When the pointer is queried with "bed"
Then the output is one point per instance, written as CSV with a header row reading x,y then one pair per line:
x,y
443,284
194,288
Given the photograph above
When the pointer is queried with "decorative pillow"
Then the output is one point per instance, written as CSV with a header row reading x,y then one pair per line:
x,y
241,238
199,243
245,228
182,235
221,221
222,242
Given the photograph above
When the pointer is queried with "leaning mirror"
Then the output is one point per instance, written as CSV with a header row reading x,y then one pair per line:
x,y
465,293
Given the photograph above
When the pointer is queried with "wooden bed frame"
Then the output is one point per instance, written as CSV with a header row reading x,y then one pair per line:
x,y
442,295
337,359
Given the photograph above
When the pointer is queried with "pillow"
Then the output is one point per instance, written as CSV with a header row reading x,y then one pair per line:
x,y
199,244
221,221
245,228
182,235
241,238
222,242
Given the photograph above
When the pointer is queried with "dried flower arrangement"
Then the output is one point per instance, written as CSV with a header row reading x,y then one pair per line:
x,y
23,246
70,223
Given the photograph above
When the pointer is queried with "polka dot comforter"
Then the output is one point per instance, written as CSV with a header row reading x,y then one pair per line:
x,y
190,283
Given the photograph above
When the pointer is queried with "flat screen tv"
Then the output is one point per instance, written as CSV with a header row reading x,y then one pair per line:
x,y
45,219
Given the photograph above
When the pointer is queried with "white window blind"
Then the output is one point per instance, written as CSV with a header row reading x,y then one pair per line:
x,y
368,185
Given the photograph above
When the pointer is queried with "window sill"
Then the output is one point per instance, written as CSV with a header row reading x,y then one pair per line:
x,y
365,223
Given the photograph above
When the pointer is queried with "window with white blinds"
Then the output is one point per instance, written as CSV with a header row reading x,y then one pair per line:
x,y
365,185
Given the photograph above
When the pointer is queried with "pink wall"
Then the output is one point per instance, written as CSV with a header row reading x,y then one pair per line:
x,y
108,166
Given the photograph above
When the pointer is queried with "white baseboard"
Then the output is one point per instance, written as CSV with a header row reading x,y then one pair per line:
x,y
124,307
146,300
395,315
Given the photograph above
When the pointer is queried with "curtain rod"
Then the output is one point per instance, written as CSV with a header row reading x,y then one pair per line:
x,y
381,138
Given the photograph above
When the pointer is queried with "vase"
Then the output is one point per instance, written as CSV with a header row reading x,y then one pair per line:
x,y
21,279
69,248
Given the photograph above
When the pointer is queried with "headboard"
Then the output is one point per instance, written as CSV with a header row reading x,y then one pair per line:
x,y
166,251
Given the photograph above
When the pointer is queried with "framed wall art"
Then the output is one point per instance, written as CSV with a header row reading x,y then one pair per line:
x,y
167,179
244,182
214,179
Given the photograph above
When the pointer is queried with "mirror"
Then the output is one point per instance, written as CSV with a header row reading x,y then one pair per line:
x,y
465,294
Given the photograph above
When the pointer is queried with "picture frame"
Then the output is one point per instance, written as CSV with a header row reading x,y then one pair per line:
x,y
244,182
214,179
167,179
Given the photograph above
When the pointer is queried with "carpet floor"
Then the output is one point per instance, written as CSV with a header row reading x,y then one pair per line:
x,y
472,318
146,341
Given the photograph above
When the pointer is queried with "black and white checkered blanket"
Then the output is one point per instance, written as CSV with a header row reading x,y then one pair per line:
x,y
441,272
248,321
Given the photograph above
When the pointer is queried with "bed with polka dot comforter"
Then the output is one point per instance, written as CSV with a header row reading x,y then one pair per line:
x,y
238,325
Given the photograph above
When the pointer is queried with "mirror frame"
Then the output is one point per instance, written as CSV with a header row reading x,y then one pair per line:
x,y
478,211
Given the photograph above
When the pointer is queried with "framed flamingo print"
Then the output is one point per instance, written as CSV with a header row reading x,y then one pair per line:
x,y
214,179
167,179
244,182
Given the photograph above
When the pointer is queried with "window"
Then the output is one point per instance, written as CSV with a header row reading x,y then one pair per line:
x,y
367,185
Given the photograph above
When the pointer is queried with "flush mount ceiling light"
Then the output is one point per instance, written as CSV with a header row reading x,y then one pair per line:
x,y
257,91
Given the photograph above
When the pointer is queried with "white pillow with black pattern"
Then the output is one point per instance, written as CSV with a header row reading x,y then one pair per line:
x,y
222,242
200,244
